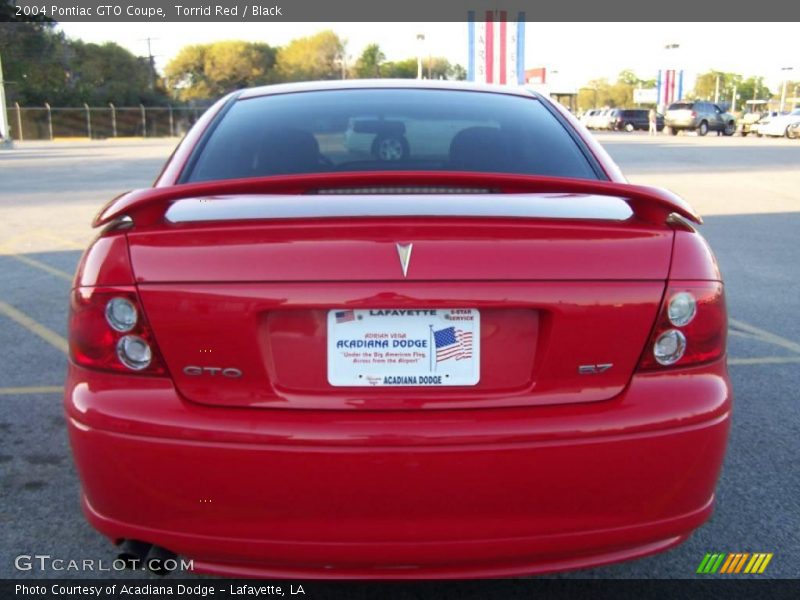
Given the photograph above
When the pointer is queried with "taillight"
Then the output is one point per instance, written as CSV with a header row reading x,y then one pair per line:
x,y
108,331
692,326
694,115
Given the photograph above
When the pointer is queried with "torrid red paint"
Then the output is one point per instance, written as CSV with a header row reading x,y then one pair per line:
x,y
396,330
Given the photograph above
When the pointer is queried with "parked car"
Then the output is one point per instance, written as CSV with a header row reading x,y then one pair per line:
x,y
594,119
387,138
793,131
587,117
749,123
266,380
630,119
780,125
602,120
699,116
766,117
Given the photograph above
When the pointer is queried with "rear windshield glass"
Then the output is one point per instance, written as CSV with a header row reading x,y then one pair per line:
x,y
681,106
389,129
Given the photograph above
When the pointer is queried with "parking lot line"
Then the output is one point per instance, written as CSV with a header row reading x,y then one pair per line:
x,y
32,262
48,335
766,335
34,389
765,360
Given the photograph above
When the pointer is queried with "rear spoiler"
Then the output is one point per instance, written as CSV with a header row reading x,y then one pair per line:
x,y
147,206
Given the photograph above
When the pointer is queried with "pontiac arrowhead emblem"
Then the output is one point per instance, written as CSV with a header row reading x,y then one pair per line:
x,y
404,252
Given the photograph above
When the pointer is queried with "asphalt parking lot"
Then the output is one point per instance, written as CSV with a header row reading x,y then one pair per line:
x,y
747,189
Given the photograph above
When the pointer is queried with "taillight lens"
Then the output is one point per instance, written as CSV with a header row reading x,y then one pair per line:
x,y
692,326
108,331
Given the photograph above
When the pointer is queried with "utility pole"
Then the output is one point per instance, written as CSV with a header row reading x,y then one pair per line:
x,y
716,91
152,62
5,140
783,92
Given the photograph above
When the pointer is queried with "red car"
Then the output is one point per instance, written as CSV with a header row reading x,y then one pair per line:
x,y
480,358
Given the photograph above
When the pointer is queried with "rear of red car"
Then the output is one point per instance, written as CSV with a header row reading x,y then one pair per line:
x,y
490,357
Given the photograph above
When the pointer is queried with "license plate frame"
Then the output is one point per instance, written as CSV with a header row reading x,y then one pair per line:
x,y
403,347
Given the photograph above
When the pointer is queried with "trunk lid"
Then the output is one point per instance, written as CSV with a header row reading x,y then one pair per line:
x,y
240,302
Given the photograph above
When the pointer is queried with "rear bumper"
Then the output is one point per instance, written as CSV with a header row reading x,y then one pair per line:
x,y
682,124
481,493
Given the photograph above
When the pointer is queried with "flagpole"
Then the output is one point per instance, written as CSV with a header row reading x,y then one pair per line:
x,y
430,367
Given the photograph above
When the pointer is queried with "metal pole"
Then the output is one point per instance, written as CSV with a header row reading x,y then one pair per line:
x,y
88,120
113,119
49,121
4,138
783,91
144,121
716,92
783,95
20,135
420,42
171,122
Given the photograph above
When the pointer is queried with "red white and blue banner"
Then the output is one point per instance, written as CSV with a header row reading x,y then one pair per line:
x,y
669,86
496,47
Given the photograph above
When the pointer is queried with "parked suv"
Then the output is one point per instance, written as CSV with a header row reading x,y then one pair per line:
x,y
700,116
628,119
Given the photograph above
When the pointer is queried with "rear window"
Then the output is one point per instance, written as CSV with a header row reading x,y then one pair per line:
x,y
389,129
681,106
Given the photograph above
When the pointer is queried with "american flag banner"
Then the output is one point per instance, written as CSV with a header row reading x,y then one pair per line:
x,y
669,86
345,315
452,343
496,47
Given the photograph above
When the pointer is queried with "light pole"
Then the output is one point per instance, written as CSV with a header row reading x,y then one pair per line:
x,y
783,92
420,42
4,139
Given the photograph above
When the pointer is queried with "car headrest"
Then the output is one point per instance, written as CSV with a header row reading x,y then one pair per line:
x,y
286,150
480,149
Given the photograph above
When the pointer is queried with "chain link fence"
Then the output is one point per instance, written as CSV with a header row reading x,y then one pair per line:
x,y
99,122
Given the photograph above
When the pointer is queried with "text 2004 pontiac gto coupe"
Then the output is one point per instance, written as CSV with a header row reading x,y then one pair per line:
x,y
481,356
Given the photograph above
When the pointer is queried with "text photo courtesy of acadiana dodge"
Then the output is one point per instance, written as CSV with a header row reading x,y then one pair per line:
x,y
404,347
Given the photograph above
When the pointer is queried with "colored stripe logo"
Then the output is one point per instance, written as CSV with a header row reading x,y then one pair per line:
x,y
734,562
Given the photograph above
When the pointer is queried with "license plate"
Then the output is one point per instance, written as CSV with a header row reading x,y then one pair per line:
x,y
404,347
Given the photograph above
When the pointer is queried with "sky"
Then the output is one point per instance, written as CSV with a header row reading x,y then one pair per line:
x,y
576,52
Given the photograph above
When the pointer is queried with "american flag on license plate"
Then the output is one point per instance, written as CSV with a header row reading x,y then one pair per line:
x,y
452,343
345,316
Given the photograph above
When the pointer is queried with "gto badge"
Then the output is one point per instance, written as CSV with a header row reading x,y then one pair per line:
x,y
594,369
404,252
213,371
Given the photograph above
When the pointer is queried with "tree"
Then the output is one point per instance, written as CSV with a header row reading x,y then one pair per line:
x,y
436,67
42,65
106,73
602,93
205,71
403,69
370,61
35,62
459,73
705,86
318,56
753,88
